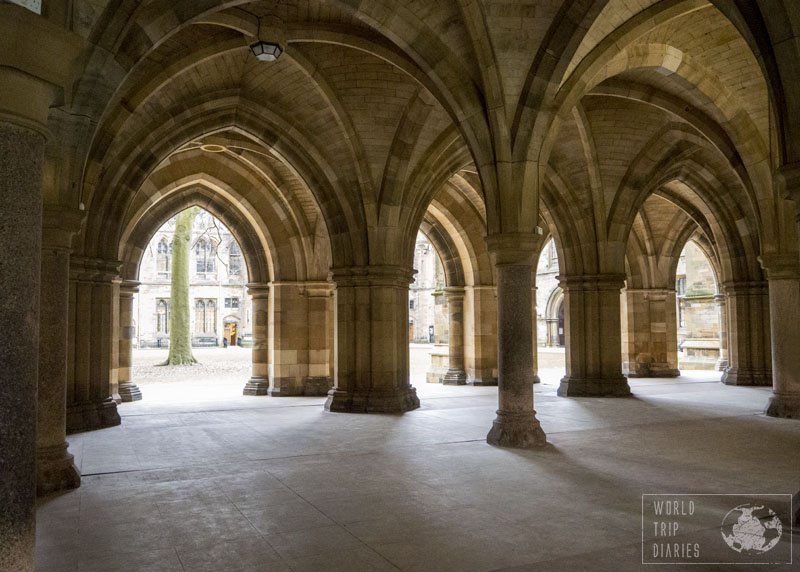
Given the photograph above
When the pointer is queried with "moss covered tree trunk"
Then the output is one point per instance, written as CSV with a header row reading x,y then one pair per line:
x,y
180,338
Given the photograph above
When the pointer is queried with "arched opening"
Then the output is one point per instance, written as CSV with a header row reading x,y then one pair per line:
x,y
550,314
219,325
698,310
427,315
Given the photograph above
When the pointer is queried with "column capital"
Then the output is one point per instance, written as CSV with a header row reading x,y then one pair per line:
x,y
129,288
513,248
744,287
377,275
258,290
592,282
784,266
453,292
59,226
37,63
94,269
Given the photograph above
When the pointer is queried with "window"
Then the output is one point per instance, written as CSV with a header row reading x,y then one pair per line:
x,y
199,317
163,258
205,254
232,303
162,316
234,259
411,304
211,317
205,316
680,286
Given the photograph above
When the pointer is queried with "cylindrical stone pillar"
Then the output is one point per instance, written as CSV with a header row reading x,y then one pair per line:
x,y
722,308
455,314
128,390
516,424
21,159
258,384
30,78
783,272
55,467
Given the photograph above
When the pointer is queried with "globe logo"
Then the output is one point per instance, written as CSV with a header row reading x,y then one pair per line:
x,y
751,529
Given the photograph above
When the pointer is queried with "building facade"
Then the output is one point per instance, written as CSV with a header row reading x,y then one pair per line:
x,y
220,305
426,303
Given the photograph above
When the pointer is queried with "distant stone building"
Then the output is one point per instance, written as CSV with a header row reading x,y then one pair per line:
x,y
220,305
425,297
698,313
549,299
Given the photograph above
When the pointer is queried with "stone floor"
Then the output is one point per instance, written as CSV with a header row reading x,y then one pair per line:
x,y
221,482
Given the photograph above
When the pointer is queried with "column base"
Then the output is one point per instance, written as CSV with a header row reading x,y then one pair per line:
x,y
721,365
655,370
455,377
751,377
256,386
517,430
129,391
372,402
55,470
317,386
491,382
91,416
307,386
589,387
536,378
784,405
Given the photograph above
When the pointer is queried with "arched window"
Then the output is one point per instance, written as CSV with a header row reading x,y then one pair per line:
x,y
162,316
205,253
234,259
199,317
163,258
205,316
211,317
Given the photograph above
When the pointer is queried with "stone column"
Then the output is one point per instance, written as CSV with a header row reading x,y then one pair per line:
x,y
650,347
593,337
32,74
371,341
783,272
748,334
128,390
318,380
455,314
55,467
516,424
21,160
722,308
94,285
258,384
288,336
480,323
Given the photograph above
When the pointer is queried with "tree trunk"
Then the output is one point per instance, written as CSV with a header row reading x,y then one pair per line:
x,y
180,340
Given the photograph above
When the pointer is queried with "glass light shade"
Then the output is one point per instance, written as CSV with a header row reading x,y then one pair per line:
x,y
265,51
